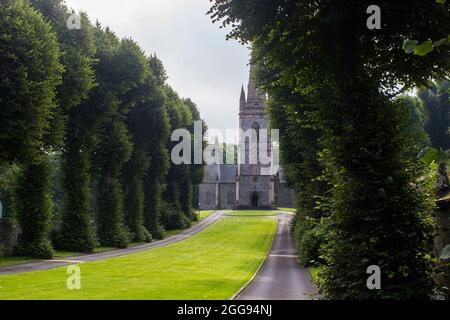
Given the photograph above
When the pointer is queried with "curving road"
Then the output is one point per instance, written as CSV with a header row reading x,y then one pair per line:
x,y
50,264
281,277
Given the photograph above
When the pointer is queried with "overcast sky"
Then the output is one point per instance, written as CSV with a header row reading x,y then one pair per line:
x,y
200,63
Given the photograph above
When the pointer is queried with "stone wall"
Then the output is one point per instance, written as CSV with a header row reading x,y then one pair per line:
x,y
207,196
254,184
227,195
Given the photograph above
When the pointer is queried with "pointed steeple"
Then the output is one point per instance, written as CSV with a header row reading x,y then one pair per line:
x,y
243,100
253,94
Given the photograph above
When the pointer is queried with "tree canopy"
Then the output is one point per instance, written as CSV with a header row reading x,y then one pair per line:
x,y
333,79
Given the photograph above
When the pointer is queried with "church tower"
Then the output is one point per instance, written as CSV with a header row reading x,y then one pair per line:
x,y
255,187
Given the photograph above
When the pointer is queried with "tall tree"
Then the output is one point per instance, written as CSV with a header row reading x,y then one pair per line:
x,y
435,98
349,73
179,191
142,122
436,102
121,71
155,176
29,74
76,230
196,170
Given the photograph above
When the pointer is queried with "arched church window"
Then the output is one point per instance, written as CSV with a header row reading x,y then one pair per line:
x,y
256,128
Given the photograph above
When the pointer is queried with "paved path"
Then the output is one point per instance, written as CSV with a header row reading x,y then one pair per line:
x,y
281,277
50,264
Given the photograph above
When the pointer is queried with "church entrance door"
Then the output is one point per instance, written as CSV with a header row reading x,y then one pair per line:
x,y
255,198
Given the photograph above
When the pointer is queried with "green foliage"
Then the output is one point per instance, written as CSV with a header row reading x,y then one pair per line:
x,y
445,253
428,155
77,50
413,46
345,77
435,98
146,130
29,74
71,127
180,178
121,70
33,207
173,219
8,182
310,235
415,129
107,139
156,119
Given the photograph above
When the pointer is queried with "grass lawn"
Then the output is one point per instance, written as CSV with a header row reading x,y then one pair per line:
x,y
205,213
202,216
14,260
9,261
213,264
251,213
315,272
287,209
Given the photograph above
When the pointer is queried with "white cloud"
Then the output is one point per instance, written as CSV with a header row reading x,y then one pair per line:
x,y
201,64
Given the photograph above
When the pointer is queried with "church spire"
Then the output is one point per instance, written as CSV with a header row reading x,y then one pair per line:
x,y
243,100
253,94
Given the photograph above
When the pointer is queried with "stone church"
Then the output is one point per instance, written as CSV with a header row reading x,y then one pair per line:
x,y
246,185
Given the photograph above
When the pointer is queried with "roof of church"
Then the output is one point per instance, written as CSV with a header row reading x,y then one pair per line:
x,y
224,173
253,94
227,173
211,173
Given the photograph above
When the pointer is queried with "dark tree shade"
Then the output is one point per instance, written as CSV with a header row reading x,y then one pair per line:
x,y
143,126
69,124
29,73
436,103
349,74
33,206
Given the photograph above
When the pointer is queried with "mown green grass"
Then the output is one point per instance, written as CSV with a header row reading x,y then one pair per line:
x,y
213,264
287,209
205,213
10,261
201,216
251,213
14,260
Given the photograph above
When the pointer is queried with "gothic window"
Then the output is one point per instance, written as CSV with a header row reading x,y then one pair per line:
x,y
230,197
256,128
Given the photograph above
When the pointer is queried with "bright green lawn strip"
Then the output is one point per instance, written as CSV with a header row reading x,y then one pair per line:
x,y
10,261
214,264
315,273
14,260
205,213
66,254
170,233
251,213
287,209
